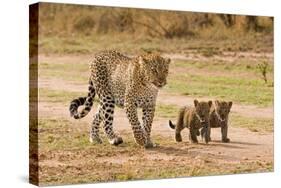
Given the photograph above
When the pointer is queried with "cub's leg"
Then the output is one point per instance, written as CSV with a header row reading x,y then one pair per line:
x,y
147,118
180,125
178,133
94,133
204,134
108,105
224,131
193,135
209,136
138,130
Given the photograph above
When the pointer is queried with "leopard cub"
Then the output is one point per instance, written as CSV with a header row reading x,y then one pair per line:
x,y
193,118
219,119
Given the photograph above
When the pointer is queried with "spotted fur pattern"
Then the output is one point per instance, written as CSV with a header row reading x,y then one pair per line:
x,y
219,118
129,83
193,118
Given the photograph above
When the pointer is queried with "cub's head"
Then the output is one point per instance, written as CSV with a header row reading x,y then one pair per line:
x,y
202,110
222,109
156,68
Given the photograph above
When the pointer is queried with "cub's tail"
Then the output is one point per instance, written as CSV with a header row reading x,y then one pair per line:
x,y
172,125
86,101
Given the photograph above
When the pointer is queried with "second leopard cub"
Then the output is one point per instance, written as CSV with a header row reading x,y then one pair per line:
x,y
219,119
193,118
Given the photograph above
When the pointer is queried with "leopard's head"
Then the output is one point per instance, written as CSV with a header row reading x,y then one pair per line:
x,y
222,109
202,109
156,68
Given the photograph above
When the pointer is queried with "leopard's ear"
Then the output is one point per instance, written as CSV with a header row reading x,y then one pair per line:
x,y
141,60
168,61
210,103
196,102
229,104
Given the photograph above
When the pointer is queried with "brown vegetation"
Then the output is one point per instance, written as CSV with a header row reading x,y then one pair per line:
x,y
69,20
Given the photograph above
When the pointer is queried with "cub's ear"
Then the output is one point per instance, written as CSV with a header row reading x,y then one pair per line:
x,y
230,104
196,102
217,103
210,103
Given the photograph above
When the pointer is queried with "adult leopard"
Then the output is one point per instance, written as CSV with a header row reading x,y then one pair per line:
x,y
129,83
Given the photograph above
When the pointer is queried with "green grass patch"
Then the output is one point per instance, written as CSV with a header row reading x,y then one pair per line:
x,y
75,72
242,90
58,96
246,66
253,124
166,111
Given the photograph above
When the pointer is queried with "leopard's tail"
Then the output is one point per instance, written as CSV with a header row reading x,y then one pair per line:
x,y
173,126
86,101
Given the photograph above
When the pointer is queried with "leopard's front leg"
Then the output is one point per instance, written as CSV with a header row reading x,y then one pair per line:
x,y
147,118
139,133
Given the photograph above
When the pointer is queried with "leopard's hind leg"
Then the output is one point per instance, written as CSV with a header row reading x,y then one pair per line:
x,y
107,115
94,133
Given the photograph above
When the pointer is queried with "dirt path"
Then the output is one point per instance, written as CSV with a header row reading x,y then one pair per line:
x,y
245,145
163,98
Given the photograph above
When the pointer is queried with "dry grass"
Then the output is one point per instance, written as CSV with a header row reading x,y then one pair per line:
x,y
66,156
86,29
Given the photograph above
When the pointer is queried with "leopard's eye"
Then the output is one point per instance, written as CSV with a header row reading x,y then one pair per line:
x,y
154,70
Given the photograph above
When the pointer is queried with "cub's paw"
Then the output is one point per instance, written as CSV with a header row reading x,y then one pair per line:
x,y
207,140
226,140
116,141
178,137
194,141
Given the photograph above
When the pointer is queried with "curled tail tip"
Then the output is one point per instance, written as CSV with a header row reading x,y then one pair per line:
x,y
171,124
76,116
